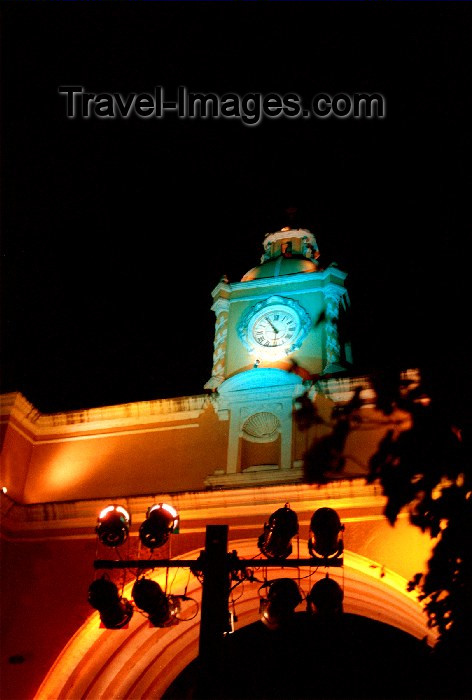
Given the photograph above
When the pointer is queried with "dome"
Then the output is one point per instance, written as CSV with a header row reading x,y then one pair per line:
x,y
280,266
286,252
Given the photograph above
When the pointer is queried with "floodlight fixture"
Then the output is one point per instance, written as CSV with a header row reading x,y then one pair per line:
x,y
161,610
115,612
275,541
325,598
113,525
325,528
279,606
161,520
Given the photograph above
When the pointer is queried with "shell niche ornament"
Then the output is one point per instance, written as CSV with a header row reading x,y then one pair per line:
x,y
261,427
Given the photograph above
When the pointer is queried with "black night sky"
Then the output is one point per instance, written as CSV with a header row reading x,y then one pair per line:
x,y
115,232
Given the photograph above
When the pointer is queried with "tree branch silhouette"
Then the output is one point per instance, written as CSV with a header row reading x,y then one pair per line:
x,y
425,468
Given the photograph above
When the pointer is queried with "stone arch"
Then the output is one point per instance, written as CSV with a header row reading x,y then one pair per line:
x,y
142,661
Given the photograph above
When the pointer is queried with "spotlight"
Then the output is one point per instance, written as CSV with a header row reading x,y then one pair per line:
x,y
115,612
325,527
325,598
161,521
113,526
275,541
279,606
162,610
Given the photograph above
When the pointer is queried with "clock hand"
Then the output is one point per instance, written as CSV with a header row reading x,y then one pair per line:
x,y
272,326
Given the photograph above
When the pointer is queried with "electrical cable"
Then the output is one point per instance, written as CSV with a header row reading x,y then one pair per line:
x,y
187,619
173,580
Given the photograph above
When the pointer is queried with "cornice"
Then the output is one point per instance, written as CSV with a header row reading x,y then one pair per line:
x,y
74,519
17,411
341,390
15,404
221,287
334,291
220,304
290,279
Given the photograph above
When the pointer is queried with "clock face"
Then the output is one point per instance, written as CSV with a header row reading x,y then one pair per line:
x,y
275,327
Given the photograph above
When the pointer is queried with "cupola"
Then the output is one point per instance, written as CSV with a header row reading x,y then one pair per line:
x,y
286,252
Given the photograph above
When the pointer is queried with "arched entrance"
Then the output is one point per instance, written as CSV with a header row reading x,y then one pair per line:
x,y
346,658
142,661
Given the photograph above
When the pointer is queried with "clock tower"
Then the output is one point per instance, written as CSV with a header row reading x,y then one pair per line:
x,y
282,316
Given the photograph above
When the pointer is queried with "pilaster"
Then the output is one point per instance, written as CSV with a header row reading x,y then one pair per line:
x,y
333,295
221,309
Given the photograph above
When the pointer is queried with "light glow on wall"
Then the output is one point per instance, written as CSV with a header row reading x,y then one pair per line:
x,y
71,464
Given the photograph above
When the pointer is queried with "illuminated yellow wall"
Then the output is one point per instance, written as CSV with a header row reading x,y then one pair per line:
x,y
67,457
111,457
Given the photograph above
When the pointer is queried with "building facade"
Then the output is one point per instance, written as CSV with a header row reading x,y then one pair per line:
x,y
231,455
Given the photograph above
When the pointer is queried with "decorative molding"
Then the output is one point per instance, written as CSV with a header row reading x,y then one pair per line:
x,y
255,478
267,254
71,519
117,433
218,354
288,233
222,286
277,382
341,390
220,305
15,401
318,280
294,279
214,382
308,246
334,292
261,468
220,337
278,409
221,308
20,414
220,321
